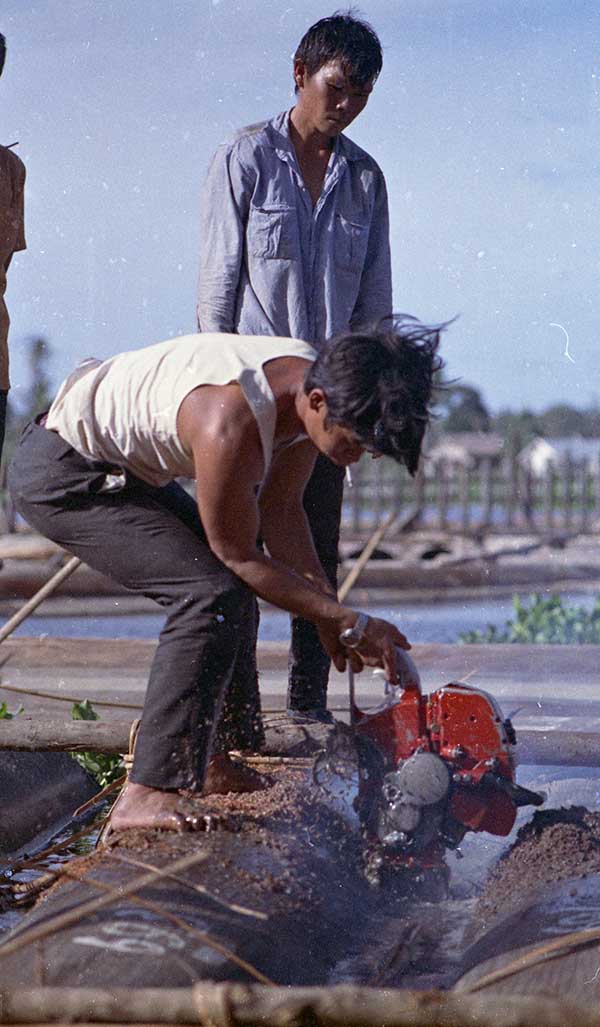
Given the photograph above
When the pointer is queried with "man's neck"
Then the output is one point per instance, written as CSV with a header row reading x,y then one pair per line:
x,y
313,150
286,377
308,142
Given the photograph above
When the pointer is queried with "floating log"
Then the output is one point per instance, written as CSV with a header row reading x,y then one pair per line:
x,y
535,929
39,791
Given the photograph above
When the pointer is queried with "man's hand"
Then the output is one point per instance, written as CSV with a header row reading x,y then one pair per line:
x,y
376,649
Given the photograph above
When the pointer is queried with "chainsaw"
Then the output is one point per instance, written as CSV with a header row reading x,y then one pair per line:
x,y
428,769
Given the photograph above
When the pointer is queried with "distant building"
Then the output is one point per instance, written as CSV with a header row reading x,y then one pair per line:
x,y
541,453
468,449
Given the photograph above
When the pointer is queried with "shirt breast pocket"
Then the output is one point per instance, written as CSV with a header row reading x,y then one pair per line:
x,y
272,233
350,238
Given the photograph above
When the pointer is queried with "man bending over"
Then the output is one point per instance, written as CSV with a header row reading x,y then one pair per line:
x,y
245,417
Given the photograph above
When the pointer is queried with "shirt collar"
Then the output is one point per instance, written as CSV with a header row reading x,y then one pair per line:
x,y
278,131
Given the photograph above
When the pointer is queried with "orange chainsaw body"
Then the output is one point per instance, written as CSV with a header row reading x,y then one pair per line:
x,y
465,728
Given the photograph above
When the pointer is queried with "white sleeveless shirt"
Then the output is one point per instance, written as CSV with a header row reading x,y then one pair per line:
x,y
123,411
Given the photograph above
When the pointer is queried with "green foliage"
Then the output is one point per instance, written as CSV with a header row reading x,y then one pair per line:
x,y
558,421
461,408
5,713
104,768
83,711
543,620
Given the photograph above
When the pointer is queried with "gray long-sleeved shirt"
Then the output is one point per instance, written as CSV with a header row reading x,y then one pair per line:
x,y
271,264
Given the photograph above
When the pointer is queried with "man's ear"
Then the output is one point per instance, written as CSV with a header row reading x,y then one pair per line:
x,y
316,399
300,75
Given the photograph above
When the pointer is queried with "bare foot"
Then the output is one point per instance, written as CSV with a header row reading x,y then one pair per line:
x,y
226,775
139,806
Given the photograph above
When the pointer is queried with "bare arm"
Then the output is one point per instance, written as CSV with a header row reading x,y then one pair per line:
x,y
283,521
219,428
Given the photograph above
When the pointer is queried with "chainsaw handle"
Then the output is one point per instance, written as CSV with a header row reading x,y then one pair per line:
x,y
408,675
409,679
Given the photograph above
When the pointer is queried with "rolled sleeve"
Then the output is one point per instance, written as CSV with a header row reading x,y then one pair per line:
x,y
374,299
223,214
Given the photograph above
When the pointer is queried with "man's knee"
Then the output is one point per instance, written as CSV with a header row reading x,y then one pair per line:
x,y
225,601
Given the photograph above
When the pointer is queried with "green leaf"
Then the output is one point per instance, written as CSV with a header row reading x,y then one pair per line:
x,y
105,769
83,711
5,713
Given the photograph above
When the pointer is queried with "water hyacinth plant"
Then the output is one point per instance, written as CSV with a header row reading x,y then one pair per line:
x,y
543,620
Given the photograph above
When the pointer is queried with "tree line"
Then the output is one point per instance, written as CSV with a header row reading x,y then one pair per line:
x,y
461,408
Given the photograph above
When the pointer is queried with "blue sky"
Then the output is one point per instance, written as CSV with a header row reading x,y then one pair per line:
x,y
485,121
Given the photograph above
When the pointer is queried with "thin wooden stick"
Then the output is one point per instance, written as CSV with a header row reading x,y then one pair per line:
x,y
32,861
45,591
99,796
115,894
70,698
360,564
23,890
233,906
549,950
73,916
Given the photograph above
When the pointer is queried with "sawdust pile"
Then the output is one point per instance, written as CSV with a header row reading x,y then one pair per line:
x,y
290,802
552,846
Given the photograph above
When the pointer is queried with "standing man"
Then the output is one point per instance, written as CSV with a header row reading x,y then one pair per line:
x,y
295,242
12,238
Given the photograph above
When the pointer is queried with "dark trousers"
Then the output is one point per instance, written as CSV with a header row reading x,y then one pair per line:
x,y
309,664
151,540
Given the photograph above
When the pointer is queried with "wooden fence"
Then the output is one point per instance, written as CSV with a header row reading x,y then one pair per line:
x,y
491,496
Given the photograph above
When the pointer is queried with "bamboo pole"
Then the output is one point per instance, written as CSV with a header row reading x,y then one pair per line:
x,y
245,1005
37,693
21,734
43,593
25,734
360,564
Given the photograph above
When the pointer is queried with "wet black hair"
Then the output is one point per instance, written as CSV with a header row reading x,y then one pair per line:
x,y
343,37
2,52
380,383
